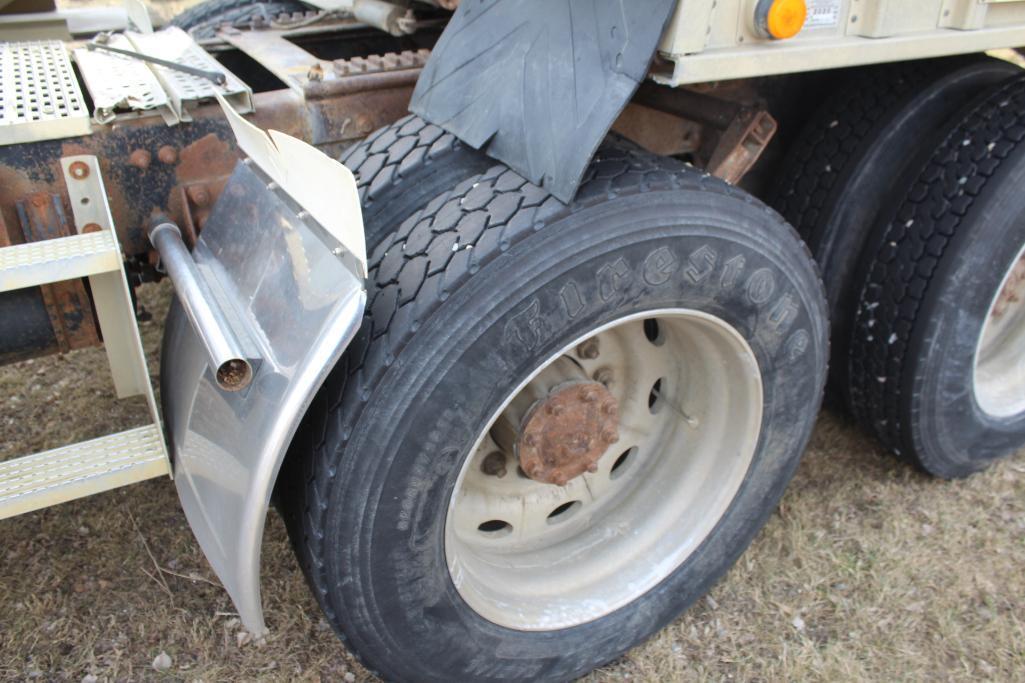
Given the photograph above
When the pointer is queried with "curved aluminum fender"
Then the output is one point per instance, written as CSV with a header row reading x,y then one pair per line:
x,y
293,291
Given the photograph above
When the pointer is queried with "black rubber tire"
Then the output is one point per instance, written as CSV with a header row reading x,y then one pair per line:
x,y
203,20
401,167
448,332
930,274
842,170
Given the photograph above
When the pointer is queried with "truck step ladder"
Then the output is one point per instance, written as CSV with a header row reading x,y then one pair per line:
x,y
55,476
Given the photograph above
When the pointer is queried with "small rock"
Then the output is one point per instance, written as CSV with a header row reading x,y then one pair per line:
x,y
243,638
349,676
798,623
162,662
89,678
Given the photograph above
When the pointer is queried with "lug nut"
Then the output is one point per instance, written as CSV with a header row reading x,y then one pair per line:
x,y
167,154
588,349
494,465
140,158
603,375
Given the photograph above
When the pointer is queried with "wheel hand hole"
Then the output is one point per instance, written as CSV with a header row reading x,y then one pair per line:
x,y
622,461
563,512
495,528
653,331
655,397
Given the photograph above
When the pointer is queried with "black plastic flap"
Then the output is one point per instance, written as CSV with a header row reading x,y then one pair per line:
x,y
537,84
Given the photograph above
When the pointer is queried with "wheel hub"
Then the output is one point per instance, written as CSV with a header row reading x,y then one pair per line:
x,y
565,433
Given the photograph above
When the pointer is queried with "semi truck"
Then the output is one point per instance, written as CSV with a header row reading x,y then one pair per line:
x,y
519,312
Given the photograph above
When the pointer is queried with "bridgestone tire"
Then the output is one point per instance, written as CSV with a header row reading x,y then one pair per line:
x,y
203,20
401,167
846,162
466,297
930,276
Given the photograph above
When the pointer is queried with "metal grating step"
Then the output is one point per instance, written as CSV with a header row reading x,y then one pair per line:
x,y
82,469
39,95
63,258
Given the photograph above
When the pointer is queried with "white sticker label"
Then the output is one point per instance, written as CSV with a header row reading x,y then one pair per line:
x,y
822,13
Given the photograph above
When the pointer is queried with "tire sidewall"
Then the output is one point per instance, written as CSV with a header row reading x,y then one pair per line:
x,y
947,420
655,250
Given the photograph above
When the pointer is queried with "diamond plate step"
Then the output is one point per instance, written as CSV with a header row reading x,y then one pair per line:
x,y
39,94
56,476
63,258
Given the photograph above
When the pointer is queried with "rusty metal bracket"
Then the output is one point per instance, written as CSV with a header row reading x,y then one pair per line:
x,y
67,303
742,144
743,131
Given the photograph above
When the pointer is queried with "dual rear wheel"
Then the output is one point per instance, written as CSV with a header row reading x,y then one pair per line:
x,y
579,416
906,186
559,425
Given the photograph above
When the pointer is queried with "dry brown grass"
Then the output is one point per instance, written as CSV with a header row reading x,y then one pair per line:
x,y
869,571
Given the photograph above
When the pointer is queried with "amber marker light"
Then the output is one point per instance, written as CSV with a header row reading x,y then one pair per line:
x,y
781,19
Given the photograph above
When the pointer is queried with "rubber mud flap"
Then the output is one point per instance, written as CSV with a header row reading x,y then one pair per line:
x,y
537,84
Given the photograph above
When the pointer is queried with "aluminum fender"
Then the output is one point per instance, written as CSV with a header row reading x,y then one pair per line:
x,y
292,291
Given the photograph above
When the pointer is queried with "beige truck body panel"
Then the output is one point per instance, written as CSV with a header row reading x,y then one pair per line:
x,y
712,40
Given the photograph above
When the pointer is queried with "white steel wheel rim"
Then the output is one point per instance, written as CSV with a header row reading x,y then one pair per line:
x,y
999,371
567,555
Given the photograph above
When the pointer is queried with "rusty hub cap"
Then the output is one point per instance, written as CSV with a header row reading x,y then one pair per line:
x,y
564,434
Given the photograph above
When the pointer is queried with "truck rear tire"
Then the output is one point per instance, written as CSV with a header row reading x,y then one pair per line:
x,y
842,171
937,363
665,321
401,167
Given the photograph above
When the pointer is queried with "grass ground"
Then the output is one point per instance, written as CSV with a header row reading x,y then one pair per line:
x,y
868,571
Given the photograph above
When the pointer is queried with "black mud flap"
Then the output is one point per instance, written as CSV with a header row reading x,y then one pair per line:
x,y
537,84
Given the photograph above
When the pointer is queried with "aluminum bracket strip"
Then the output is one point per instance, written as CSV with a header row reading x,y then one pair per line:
x,y
39,94
119,83
185,91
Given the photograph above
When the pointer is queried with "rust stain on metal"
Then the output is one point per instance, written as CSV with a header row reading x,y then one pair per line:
x,y
67,304
79,170
202,172
564,434
140,158
91,227
207,157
